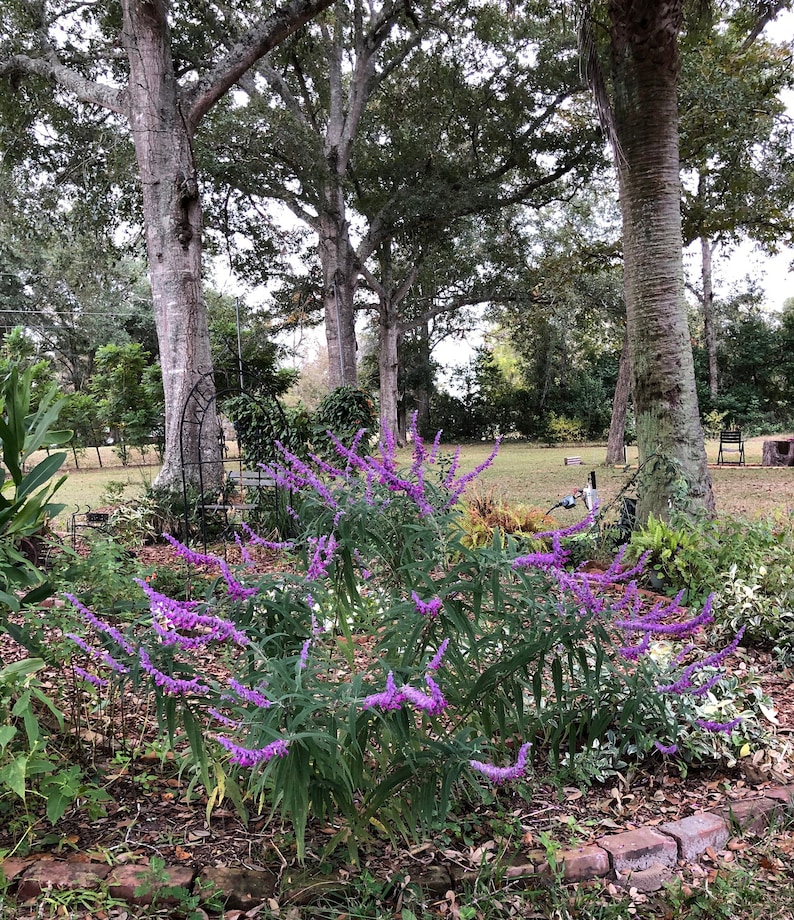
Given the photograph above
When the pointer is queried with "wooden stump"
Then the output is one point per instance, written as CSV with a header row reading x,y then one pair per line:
x,y
778,453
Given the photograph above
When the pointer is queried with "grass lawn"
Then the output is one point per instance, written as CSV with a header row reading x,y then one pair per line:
x,y
522,473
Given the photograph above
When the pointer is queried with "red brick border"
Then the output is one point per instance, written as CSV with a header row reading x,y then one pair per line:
x,y
641,857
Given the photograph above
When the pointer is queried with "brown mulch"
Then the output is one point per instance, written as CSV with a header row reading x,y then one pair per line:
x,y
149,812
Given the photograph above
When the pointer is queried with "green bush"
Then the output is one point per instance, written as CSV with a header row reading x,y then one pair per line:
x,y
561,429
345,411
376,678
680,556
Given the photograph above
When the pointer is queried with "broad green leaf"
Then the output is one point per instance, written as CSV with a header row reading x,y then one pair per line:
x,y
13,775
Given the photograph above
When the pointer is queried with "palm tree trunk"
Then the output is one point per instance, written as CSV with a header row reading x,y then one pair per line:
x,y
645,74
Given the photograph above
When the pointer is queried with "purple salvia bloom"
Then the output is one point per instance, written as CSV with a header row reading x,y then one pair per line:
x,y
500,775
702,689
717,658
537,561
726,727
679,630
323,551
250,696
665,748
631,600
223,719
172,685
710,661
689,647
317,628
437,659
99,654
235,590
183,615
390,698
388,449
305,653
333,472
432,704
245,757
256,540
582,592
633,652
435,448
458,486
683,684
578,527
450,477
90,678
369,496
101,625
189,555
244,554
300,476
426,608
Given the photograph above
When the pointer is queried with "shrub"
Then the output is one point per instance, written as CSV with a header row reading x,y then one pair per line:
x,y
346,411
375,681
484,515
561,429
679,556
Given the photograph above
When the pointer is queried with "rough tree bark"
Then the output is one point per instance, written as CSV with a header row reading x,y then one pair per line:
x,y
644,50
390,333
620,405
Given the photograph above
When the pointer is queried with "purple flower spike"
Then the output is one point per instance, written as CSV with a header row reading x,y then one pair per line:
x,y
436,661
426,608
323,549
250,696
501,775
305,653
90,678
726,727
224,719
432,704
171,685
665,748
390,698
118,637
245,757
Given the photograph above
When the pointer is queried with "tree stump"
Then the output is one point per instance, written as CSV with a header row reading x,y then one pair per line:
x,y
778,453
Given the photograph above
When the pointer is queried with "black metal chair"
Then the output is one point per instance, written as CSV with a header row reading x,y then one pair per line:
x,y
731,442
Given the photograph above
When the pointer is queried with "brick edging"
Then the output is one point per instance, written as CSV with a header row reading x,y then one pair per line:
x,y
645,856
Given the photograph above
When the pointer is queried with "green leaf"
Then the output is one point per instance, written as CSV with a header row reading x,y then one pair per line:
x,y
57,803
13,775
7,732
41,473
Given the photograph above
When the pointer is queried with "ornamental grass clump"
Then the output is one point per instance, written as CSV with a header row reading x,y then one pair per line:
x,y
398,664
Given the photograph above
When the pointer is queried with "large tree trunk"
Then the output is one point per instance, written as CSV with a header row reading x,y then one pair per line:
x,y
620,405
709,330
645,71
340,280
172,217
388,364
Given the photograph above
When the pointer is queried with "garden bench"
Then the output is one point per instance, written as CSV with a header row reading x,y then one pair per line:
x,y
573,461
731,442
240,482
